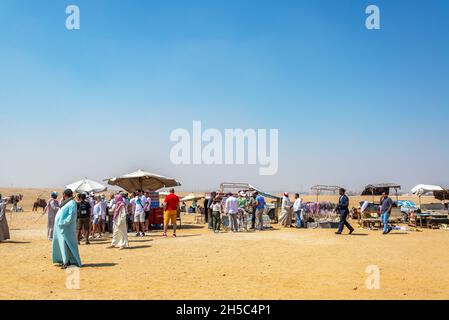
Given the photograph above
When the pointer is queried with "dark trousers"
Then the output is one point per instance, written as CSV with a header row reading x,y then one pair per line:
x,y
344,222
253,220
216,221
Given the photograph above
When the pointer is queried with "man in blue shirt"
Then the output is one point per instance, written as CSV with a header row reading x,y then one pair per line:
x,y
260,206
342,208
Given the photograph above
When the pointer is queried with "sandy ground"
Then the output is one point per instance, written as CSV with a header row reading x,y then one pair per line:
x,y
276,264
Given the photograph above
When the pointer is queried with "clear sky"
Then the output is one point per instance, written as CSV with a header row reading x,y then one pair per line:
x,y
353,106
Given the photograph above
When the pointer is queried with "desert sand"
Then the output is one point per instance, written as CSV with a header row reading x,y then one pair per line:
x,y
274,264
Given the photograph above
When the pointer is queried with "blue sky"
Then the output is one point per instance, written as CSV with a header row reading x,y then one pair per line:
x,y
353,106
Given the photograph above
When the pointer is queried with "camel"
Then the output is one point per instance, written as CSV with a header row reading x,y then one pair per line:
x,y
39,203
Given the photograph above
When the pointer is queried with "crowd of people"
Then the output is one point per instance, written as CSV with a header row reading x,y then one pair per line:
x,y
84,217
238,212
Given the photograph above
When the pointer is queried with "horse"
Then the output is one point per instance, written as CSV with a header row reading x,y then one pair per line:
x,y
39,203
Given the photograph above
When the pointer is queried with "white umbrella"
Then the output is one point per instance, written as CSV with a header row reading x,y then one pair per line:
x,y
142,180
86,185
422,189
192,197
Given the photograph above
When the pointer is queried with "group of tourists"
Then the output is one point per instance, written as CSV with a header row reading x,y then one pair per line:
x,y
241,212
86,216
81,217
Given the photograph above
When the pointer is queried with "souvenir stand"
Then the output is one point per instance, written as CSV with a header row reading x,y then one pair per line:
x,y
321,214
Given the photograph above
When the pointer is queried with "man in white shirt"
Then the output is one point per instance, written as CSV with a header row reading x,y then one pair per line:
x,y
96,221
232,208
297,210
138,203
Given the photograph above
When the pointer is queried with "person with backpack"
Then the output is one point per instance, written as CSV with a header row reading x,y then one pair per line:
x,y
138,203
84,211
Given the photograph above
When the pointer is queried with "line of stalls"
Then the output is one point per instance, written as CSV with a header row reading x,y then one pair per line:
x,y
318,214
323,214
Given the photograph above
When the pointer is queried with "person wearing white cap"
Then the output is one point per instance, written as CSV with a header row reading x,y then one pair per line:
x,y
51,210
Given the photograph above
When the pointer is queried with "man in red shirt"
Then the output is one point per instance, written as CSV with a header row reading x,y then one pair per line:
x,y
171,203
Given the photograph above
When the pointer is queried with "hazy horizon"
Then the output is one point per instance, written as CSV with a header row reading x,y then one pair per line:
x,y
352,106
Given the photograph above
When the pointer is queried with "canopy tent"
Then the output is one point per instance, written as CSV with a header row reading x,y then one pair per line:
x,y
442,195
192,197
378,189
322,187
142,180
246,187
422,189
86,185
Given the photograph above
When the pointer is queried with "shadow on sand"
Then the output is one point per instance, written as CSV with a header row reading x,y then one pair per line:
x,y
99,265
15,242
138,247
143,240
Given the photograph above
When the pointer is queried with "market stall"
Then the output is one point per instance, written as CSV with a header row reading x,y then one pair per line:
x,y
370,218
271,212
321,214
430,215
146,181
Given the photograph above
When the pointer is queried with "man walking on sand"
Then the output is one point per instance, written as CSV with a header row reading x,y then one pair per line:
x,y
385,208
171,203
342,208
